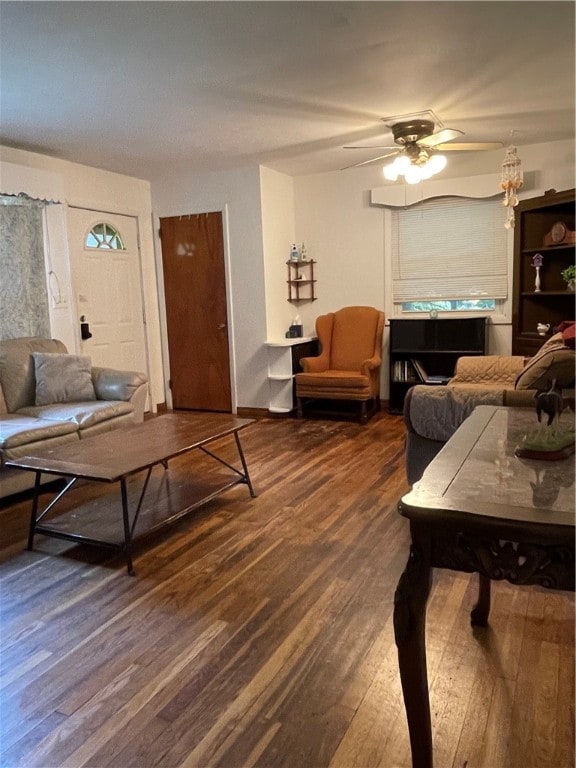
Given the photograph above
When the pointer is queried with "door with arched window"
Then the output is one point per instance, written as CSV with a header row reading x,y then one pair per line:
x,y
107,283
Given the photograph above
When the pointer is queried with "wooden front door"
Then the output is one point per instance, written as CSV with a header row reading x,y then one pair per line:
x,y
196,314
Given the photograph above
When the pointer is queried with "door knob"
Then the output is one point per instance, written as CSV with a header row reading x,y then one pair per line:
x,y
84,329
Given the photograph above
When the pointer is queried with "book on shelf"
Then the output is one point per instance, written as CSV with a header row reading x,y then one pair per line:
x,y
404,370
420,370
427,378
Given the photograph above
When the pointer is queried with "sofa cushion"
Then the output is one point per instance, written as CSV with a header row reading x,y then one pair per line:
x,y
17,368
83,415
63,378
553,361
17,429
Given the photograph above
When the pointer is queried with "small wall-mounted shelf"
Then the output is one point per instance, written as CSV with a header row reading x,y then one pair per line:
x,y
301,280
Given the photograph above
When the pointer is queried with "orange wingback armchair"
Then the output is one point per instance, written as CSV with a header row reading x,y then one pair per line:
x,y
348,367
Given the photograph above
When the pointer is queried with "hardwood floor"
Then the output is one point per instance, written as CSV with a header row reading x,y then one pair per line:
x,y
258,632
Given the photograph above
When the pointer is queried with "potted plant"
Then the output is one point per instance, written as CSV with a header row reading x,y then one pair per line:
x,y
569,276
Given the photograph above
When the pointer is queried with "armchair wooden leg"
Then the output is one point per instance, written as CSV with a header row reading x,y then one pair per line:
x,y
363,412
299,409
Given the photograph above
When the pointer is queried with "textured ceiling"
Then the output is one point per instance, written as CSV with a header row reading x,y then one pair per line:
x,y
144,88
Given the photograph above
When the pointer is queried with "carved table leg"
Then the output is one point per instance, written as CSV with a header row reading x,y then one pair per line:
x,y
409,631
480,612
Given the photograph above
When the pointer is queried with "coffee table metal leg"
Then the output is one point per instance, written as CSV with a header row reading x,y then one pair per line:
x,y
34,512
127,530
409,631
244,465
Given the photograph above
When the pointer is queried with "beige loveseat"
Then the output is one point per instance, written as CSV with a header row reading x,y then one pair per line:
x,y
48,397
433,414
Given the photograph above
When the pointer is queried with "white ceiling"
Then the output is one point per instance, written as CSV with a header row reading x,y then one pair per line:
x,y
148,88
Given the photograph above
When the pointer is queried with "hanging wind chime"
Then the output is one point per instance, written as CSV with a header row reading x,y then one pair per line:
x,y
512,180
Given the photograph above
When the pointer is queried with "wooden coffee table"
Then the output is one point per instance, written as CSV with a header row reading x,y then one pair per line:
x,y
114,457
479,508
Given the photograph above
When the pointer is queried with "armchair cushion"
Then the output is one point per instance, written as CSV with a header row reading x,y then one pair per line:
x,y
63,378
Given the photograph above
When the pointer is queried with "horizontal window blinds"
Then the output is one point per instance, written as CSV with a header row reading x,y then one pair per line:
x,y
449,248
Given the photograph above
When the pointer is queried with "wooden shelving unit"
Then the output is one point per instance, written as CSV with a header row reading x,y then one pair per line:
x,y
301,282
425,352
554,302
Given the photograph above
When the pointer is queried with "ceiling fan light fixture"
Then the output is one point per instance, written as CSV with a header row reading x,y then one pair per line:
x,y
437,163
416,169
413,175
390,172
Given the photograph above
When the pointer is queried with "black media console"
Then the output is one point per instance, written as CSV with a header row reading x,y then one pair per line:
x,y
425,352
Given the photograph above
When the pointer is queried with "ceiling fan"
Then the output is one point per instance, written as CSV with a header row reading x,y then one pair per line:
x,y
418,142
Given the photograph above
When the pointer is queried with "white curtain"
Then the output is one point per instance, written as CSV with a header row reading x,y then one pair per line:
x,y
23,294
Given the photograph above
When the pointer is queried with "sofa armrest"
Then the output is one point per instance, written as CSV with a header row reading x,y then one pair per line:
x,y
437,412
129,386
487,369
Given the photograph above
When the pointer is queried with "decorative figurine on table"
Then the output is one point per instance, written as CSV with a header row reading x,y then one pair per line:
x,y
537,261
549,441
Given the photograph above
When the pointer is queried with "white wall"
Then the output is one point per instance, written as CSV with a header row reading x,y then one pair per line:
x,y
277,192
86,187
345,235
237,194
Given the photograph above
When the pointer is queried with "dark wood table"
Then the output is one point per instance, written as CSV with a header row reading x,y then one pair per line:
x,y
114,457
479,508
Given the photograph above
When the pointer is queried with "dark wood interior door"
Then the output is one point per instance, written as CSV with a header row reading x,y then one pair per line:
x,y
196,315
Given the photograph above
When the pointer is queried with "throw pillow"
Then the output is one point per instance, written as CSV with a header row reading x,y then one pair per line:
x,y
569,335
63,378
555,362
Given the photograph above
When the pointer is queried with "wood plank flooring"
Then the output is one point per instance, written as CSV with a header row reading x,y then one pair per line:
x,y
258,632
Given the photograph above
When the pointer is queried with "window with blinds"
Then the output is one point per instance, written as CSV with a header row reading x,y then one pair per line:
x,y
449,250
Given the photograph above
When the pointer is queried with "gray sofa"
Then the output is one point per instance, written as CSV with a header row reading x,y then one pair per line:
x,y
433,413
49,398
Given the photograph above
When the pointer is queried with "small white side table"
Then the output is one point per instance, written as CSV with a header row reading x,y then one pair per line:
x,y
283,363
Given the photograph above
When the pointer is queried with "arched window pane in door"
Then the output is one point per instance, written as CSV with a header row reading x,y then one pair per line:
x,y
104,235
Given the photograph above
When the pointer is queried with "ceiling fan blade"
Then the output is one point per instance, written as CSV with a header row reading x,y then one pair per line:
x,y
368,162
370,146
447,134
471,146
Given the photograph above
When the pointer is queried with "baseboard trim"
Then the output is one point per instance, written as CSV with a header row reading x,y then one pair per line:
x,y
252,413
